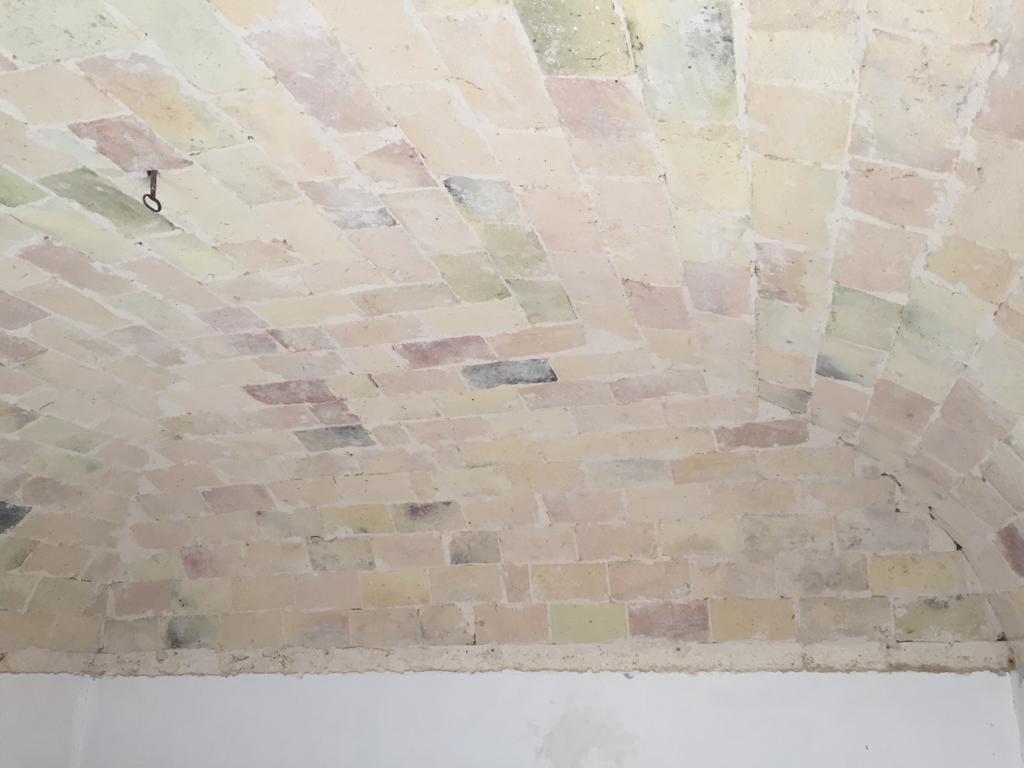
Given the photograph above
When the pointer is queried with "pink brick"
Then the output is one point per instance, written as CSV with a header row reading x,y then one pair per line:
x,y
15,313
311,65
657,306
459,349
1011,542
763,434
302,339
719,289
663,384
672,621
287,392
75,268
130,144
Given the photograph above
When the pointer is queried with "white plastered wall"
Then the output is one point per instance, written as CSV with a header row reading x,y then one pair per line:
x,y
562,720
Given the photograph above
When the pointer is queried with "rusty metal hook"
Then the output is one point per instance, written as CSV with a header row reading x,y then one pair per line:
x,y
156,205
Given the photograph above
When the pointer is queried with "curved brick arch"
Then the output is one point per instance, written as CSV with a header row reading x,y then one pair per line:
x,y
471,330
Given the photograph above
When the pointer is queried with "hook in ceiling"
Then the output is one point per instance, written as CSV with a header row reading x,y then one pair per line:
x,y
150,200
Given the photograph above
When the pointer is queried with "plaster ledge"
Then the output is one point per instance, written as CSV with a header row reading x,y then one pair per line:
x,y
686,657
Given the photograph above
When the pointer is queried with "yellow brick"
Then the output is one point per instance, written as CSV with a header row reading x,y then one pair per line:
x,y
410,587
600,623
751,619
941,573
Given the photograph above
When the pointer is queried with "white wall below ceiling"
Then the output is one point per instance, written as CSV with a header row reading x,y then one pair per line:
x,y
562,720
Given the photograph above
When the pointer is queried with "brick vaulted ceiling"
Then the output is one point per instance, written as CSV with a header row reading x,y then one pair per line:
x,y
511,332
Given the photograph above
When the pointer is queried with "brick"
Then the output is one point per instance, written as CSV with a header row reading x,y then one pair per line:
x,y
388,627
11,515
672,621
808,574
784,533
235,498
733,578
656,306
331,591
329,438
285,392
190,632
575,39
752,619
340,554
715,466
573,581
392,588
415,550
700,535
511,624
317,629
15,313
129,143
431,516
824,619
444,625
945,619
633,580
597,623
538,545
623,541
1011,544
510,372
763,434
466,583
474,547
311,65
942,573
428,354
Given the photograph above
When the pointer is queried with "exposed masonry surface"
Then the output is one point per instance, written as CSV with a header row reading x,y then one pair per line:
x,y
474,334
